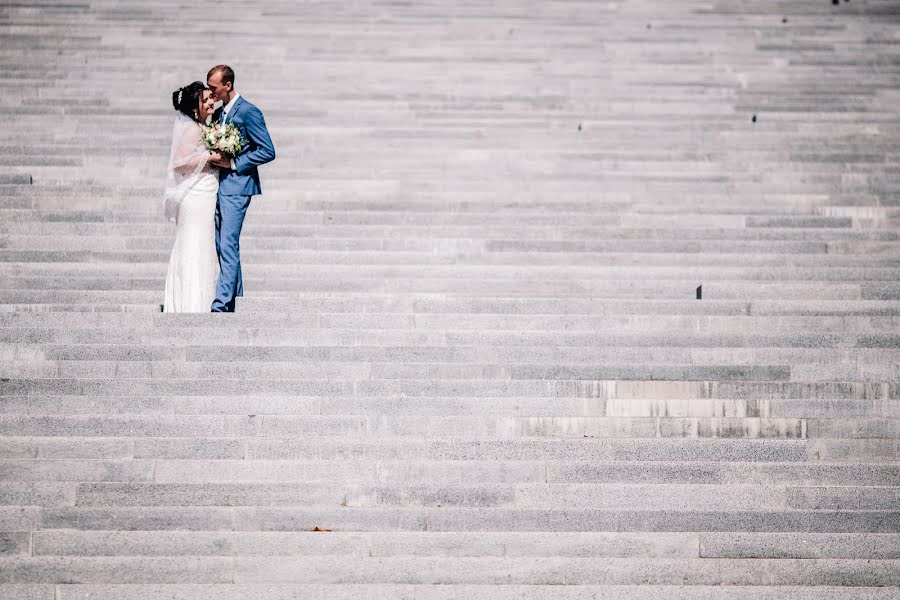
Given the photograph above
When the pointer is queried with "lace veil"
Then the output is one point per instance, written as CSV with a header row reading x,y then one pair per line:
x,y
187,159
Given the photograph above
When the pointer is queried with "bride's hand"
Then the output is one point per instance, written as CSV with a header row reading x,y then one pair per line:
x,y
220,160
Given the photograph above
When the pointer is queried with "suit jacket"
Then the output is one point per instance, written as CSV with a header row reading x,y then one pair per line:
x,y
244,181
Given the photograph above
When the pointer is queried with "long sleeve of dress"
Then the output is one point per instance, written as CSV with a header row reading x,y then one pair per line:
x,y
190,153
187,159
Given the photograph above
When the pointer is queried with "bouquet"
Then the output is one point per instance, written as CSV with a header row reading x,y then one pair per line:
x,y
224,138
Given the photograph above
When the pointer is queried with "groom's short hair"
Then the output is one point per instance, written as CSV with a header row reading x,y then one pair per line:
x,y
223,70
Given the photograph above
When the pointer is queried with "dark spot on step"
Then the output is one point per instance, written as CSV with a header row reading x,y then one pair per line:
x,y
579,127
784,20
753,118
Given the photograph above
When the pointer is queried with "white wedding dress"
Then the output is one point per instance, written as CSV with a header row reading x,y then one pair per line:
x,y
190,200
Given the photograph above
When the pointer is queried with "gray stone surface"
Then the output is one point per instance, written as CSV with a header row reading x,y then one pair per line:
x,y
799,545
20,518
36,470
718,472
137,519
599,544
110,569
565,449
843,498
37,494
465,519
444,592
24,591
24,447
14,543
15,179
471,361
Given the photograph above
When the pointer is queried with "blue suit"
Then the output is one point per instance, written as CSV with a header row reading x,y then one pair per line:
x,y
236,188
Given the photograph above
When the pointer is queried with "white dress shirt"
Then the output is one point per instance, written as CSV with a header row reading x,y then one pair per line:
x,y
225,110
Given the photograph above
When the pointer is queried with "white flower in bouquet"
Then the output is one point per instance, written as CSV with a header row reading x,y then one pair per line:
x,y
225,138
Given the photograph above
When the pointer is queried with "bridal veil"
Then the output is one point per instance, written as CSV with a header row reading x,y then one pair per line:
x,y
187,159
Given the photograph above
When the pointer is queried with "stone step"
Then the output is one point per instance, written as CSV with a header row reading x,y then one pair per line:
x,y
471,283
448,570
444,407
458,519
102,308
362,494
649,363
154,264
610,363
522,317
647,348
280,239
262,250
15,179
437,388
599,314
318,447
500,427
746,200
230,591
286,205
445,472
471,427
329,333
277,298
595,496
483,544
267,280
611,266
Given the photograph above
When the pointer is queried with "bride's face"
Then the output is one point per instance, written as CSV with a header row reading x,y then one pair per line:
x,y
206,105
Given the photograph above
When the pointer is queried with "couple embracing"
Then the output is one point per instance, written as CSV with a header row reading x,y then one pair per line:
x,y
212,176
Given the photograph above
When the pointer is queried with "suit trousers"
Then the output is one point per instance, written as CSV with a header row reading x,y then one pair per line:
x,y
230,212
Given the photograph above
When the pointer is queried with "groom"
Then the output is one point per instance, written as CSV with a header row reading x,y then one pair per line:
x,y
238,181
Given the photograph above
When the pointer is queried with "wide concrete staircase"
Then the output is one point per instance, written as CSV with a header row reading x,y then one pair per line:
x,y
473,360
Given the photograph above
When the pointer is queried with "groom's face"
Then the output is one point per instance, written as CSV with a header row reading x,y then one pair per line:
x,y
220,91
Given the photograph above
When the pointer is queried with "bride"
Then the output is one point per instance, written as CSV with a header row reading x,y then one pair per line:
x,y
190,200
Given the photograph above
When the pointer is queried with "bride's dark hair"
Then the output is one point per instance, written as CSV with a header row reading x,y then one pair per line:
x,y
187,99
